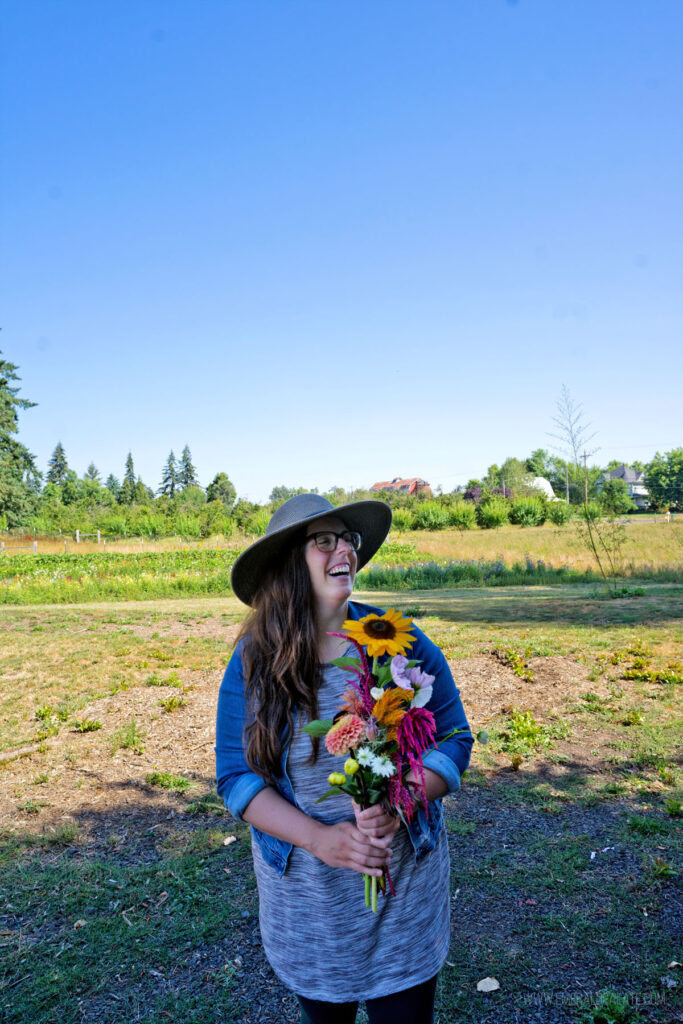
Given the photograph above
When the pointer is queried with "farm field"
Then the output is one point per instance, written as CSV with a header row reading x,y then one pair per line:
x,y
508,556
129,895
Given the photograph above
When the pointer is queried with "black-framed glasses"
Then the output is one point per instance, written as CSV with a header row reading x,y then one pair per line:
x,y
327,540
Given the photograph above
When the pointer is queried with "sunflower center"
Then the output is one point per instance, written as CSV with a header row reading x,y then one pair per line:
x,y
380,629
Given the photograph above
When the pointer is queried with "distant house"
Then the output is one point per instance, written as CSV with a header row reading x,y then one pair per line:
x,y
635,481
411,485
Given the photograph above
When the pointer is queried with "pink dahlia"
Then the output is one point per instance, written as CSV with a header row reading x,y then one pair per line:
x,y
346,733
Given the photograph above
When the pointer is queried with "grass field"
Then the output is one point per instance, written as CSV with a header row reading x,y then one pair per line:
x,y
509,556
129,895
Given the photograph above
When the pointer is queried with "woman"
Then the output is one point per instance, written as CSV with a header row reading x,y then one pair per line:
x,y
317,934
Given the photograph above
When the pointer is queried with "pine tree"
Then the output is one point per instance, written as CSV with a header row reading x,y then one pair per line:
x,y
57,467
187,474
127,492
92,473
113,485
19,477
169,478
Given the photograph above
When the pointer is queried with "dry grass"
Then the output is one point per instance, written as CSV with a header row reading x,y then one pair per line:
x,y
133,545
648,544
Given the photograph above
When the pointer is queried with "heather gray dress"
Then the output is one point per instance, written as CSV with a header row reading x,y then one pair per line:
x,y
318,935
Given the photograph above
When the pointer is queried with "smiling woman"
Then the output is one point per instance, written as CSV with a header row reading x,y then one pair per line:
x,y
285,673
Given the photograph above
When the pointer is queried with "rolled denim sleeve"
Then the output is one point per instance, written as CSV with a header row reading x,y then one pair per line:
x,y
450,757
237,783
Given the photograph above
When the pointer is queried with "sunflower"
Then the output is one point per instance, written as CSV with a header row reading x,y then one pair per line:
x,y
381,634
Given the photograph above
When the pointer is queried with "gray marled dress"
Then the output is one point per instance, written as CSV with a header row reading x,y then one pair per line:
x,y
318,935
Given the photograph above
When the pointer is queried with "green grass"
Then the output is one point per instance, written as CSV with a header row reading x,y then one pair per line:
x,y
111,925
129,737
167,780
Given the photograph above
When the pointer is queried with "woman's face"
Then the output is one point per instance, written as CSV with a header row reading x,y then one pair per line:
x,y
332,572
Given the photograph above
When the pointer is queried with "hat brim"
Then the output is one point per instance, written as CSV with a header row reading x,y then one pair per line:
x,y
372,519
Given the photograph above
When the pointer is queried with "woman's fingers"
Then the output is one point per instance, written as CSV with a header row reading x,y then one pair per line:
x,y
345,846
376,822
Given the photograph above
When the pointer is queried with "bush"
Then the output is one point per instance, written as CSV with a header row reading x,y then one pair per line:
x,y
463,516
258,522
559,513
429,515
403,519
492,513
528,512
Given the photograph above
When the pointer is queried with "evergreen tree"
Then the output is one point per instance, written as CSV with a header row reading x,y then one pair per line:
x,y
113,486
169,478
127,492
222,489
19,478
187,474
92,473
57,467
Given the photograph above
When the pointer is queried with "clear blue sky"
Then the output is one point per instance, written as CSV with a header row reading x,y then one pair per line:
x,y
332,242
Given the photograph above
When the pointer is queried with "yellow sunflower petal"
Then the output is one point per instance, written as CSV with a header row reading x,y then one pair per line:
x,y
381,634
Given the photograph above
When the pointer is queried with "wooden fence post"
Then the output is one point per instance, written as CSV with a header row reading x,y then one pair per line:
x,y
78,536
98,536
35,547
2,547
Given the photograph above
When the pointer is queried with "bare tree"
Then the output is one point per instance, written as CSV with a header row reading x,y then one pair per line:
x,y
572,431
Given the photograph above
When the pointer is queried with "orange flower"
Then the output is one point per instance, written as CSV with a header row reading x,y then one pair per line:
x,y
390,709
381,634
346,733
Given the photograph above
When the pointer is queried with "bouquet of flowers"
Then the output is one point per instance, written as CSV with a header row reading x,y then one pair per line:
x,y
383,727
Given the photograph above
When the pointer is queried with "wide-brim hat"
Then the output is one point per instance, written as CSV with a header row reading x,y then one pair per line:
x,y
372,519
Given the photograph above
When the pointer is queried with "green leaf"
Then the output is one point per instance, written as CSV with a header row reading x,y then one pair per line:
x,y
335,791
482,736
383,675
347,662
318,727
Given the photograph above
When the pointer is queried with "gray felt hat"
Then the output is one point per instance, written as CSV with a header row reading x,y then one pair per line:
x,y
372,519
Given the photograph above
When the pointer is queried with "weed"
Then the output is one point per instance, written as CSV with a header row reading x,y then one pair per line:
x,y
608,1008
516,660
172,703
33,806
667,776
87,725
647,826
460,828
633,717
210,803
523,735
176,783
41,779
660,868
129,737
674,807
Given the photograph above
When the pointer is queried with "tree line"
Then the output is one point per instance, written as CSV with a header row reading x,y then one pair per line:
x,y
61,501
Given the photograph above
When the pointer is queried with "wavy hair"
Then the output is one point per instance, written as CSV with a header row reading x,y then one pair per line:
x,y
280,661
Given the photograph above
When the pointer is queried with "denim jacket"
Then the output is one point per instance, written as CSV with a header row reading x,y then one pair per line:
x,y
238,784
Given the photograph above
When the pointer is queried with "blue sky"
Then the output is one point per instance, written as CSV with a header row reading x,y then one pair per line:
x,y
325,243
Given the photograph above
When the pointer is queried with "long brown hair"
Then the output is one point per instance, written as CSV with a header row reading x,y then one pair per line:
x,y
280,660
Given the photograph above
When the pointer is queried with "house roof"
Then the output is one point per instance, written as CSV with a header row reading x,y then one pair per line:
x,y
631,476
400,484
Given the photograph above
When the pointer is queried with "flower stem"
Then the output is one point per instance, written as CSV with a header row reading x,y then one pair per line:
x,y
367,890
374,894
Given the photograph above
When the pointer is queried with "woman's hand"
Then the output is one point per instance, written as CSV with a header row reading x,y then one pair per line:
x,y
377,824
345,846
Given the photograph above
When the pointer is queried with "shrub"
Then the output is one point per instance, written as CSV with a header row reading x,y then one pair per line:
x,y
559,513
463,516
528,512
403,519
492,513
431,516
258,522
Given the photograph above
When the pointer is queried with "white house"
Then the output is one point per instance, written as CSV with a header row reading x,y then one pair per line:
x,y
635,481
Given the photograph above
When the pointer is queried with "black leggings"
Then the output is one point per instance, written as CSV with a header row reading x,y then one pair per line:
x,y
412,1006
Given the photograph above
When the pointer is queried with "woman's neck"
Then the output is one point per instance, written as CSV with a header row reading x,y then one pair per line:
x,y
331,621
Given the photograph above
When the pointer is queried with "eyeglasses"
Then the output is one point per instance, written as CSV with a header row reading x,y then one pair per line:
x,y
328,540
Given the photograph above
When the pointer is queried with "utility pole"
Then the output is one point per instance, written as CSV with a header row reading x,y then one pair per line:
x,y
566,480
